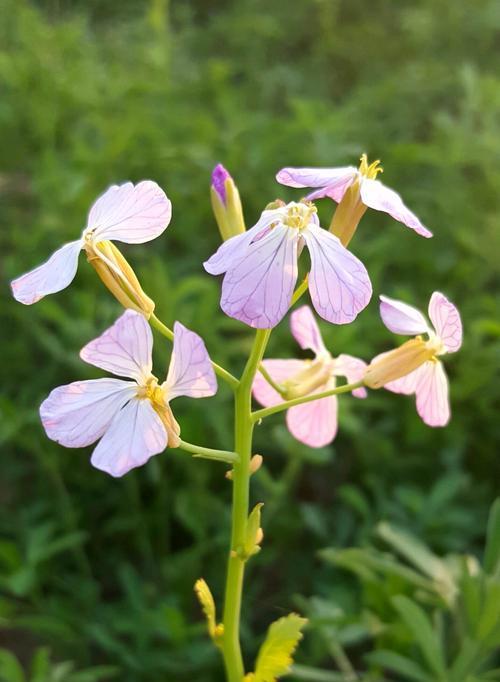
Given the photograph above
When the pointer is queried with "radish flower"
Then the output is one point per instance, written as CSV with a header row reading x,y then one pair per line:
x,y
128,213
428,381
359,187
313,423
132,419
260,269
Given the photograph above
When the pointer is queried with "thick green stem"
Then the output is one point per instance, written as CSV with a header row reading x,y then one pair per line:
x,y
231,649
220,371
346,388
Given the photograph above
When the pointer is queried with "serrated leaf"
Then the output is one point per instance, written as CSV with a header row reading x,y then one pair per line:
x,y
275,654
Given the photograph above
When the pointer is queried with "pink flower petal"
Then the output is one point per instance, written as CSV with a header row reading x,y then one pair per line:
x,y
379,197
279,371
134,436
401,318
332,181
50,277
233,251
338,282
305,330
433,404
190,372
124,349
78,414
258,290
130,213
314,423
353,369
446,320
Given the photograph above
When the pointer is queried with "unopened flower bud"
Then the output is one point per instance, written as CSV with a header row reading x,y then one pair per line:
x,y
398,363
118,276
226,203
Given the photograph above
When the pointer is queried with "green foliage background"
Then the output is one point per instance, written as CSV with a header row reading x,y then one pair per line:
x,y
101,571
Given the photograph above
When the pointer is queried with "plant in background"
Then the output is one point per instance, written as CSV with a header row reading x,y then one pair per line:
x,y
133,419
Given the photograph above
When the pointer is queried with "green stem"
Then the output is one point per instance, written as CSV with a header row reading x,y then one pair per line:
x,y
346,388
209,453
220,371
269,379
231,648
300,290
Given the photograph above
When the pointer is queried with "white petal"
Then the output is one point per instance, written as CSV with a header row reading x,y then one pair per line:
x,y
124,349
401,318
279,370
78,414
338,282
315,423
190,372
134,436
50,277
353,369
446,320
432,394
130,213
306,331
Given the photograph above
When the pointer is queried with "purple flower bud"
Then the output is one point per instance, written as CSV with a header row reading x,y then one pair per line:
x,y
219,177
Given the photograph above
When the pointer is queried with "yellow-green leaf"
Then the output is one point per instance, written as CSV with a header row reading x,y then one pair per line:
x,y
275,654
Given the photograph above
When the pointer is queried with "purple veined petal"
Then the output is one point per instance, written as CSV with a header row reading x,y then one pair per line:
x,y
258,291
338,282
78,414
233,250
306,331
446,320
401,318
124,349
130,213
50,277
315,423
353,369
379,197
315,177
432,392
279,371
134,436
190,372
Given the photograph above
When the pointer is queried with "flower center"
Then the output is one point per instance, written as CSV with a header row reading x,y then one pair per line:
x,y
371,170
152,392
435,345
298,216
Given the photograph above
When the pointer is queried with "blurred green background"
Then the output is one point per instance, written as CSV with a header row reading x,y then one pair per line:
x,y
96,574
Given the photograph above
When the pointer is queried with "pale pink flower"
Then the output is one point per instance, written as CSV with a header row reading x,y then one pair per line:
x,y
313,423
260,269
334,183
132,419
428,382
126,213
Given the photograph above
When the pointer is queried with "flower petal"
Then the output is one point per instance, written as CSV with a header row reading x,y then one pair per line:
x,y
279,371
446,320
78,414
338,282
134,436
332,181
190,372
379,197
353,369
258,290
50,277
124,349
314,423
130,213
432,394
401,318
306,331
233,250
405,385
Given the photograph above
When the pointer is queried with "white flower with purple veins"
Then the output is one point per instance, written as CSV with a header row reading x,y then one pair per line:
x,y
334,183
132,419
260,269
313,423
428,382
128,213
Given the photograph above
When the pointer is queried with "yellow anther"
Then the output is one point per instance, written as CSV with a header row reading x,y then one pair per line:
x,y
298,216
370,170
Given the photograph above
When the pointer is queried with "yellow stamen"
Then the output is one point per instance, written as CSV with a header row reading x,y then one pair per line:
x,y
298,216
156,395
370,170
